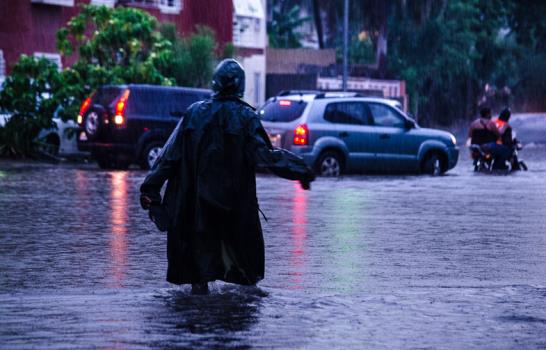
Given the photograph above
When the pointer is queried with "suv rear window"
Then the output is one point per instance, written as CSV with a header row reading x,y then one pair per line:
x,y
282,110
106,95
161,102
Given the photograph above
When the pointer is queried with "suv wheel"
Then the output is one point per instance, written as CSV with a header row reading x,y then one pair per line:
x,y
432,165
150,154
329,164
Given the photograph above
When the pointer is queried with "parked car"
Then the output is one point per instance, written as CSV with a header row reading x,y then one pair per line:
x,y
125,124
56,141
346,132
61,139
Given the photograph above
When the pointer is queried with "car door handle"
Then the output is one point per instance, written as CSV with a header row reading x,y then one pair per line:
x,y
343,134
384,136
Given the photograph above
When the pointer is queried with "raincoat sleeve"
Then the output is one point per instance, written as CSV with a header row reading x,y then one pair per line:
x,y
164,167
279,161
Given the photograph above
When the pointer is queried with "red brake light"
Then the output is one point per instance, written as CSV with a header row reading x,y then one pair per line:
x,y
85,105
301,135
285,103
121,104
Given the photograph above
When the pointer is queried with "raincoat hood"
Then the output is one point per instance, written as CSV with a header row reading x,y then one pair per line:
x,y
229,79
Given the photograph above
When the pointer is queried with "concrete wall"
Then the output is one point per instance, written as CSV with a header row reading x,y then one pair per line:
x,y
287,61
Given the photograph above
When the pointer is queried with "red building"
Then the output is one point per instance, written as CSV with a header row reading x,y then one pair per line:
x,y
29,27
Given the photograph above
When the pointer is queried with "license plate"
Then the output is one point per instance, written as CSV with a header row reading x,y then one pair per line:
x,y
83,136
275,140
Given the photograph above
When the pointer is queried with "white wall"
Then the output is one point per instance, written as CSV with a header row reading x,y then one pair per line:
x,y
254,78
253,36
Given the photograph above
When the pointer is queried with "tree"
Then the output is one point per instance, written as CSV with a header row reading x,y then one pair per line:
x,y
529,31
28,95
114,46
282,28
193,57
448,53
317,16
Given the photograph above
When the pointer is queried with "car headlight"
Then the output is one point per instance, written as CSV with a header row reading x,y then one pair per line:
x,y
453,139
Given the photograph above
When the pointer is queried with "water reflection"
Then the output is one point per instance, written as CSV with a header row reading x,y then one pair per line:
x,y
346,237
81,180
118,226
221,317
298,236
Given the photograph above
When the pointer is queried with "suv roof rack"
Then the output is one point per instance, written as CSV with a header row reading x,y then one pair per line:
x,y
298,92
334,94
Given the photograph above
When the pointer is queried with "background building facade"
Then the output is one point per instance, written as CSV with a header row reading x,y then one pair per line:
x,y
29,27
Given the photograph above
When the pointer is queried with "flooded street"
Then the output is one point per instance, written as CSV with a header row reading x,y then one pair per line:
x,y
457,261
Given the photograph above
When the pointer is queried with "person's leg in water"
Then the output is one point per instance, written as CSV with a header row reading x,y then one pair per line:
x,y
206,251
500,154
203,261
514,161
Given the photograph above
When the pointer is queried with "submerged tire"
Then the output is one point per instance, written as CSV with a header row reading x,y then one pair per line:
x,y
150,154
433,164
329,164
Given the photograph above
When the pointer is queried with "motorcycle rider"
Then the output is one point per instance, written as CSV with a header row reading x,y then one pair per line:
x,y
507,136
504,127
485,133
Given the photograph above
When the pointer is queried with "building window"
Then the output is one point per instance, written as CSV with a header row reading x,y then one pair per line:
x,y
141,2
108,3
54,2
165,6
2,64
53,57
2,68
248,18
170,6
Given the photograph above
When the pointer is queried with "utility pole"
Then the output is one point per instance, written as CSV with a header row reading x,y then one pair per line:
x,y
345,43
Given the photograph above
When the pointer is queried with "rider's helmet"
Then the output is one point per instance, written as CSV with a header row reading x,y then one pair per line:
x,y
229,79
505,114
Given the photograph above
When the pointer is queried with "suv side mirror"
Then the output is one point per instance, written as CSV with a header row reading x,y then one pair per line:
x,y
409,124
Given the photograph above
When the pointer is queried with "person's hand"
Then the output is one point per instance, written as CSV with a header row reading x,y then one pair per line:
x,y
145,202
305,182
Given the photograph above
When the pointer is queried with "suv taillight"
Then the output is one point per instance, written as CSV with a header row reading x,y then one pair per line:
x,y
84,107
301,135
121,105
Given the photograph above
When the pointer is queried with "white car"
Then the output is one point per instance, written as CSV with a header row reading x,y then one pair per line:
x,y
60,141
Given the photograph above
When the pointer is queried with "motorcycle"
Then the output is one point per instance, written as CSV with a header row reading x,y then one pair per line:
x,y
484,162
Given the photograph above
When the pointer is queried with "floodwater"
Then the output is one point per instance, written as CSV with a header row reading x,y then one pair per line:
x,y
457,261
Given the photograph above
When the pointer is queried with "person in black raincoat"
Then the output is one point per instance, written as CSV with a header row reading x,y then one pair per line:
x,y
209,208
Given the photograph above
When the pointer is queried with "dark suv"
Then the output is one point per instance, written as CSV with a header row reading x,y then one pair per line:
x,y
125,124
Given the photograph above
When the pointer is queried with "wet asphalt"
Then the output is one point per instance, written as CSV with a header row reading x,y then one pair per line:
x,y
382,262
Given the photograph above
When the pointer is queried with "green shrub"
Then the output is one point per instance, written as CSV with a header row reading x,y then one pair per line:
x,y
28,94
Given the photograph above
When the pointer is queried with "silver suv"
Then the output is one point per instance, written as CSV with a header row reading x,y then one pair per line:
x,y
346,132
